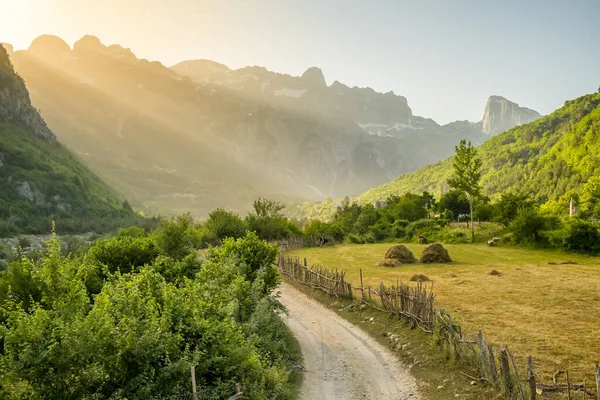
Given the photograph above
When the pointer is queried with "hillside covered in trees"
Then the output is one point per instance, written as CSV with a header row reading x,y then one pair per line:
x,y
40,180
551,157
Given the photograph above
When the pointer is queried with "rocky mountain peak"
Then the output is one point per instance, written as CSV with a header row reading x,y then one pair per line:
x,y
49,46
88,42
9,48
15,104
501,114
314,76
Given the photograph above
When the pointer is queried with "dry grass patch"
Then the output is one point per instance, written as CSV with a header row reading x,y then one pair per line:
x,y
548,311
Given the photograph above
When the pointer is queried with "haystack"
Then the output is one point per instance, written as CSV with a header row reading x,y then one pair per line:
x,y
389,262
401,253
435,253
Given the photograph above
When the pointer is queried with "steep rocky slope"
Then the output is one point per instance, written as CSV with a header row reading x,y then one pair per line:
x,y
501,115
40,181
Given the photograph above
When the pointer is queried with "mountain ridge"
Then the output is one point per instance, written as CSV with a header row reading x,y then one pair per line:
x,y
259,133
548,159
40,180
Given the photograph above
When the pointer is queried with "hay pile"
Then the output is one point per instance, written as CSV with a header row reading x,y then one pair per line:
x,y
401,253
435,253
389,262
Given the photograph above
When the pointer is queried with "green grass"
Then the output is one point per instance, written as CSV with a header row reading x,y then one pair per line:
x,y
551,312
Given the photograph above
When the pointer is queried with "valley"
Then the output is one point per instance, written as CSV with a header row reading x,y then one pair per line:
x,y
299,200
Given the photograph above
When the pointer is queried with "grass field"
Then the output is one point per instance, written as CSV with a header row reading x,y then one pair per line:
x,y
551,312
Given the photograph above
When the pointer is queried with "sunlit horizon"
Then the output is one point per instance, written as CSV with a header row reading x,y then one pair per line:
x,y
445,58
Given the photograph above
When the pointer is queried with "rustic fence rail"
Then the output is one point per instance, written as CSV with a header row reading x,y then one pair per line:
x,y
416,304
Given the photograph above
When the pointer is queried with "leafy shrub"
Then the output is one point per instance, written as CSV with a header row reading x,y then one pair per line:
x,y
527,226
423,226
483,212
509,206
352,238
253,256
124,253
223,224
580,236
132,231
176,237
381,230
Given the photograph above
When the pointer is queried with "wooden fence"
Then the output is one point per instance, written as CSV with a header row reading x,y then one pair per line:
x,y
329,281
495,366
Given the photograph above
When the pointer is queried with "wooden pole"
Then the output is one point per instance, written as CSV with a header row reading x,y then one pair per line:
x,y
568,386
597,381
492,359
194,392
483,354
362,289
505,368
531,378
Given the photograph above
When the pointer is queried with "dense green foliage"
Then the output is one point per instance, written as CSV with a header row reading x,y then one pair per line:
x,y
41,182
123,321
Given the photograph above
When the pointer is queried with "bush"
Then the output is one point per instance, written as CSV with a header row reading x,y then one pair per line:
x,y
425,227
581,236
352,238
381,230
253,256
175,238
222,224
124,253
527,226
132,231
483,212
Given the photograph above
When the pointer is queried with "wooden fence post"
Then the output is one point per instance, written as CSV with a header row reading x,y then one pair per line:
x,y
194,392
531,378
493,369
598,381
362,289
568,385
505,368
483,353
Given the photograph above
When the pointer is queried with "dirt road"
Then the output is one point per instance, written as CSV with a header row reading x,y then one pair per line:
x,y
340,360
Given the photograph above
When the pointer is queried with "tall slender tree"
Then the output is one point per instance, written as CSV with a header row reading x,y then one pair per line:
x,y
467,174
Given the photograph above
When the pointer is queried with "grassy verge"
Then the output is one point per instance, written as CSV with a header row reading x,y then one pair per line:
x,y
439,377
295,380
549,311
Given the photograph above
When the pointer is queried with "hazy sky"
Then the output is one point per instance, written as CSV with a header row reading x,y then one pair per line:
x,y
445,56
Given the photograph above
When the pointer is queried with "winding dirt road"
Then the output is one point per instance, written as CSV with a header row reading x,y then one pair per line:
x,y
340,360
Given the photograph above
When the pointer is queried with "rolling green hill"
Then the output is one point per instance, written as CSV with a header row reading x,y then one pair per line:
x,y
545,158
40,180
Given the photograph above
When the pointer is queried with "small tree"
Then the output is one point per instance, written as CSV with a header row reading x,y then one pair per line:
x,y
467,171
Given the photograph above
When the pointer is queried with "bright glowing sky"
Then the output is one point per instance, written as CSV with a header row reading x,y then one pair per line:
x,y
445,56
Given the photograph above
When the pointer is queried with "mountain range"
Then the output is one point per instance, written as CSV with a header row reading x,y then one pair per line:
x,y
199,135
40,180
549,159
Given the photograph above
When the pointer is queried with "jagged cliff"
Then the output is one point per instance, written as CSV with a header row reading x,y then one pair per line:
x,y
15,104
501,114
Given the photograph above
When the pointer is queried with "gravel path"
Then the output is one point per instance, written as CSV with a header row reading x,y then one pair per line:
x,y
340,360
